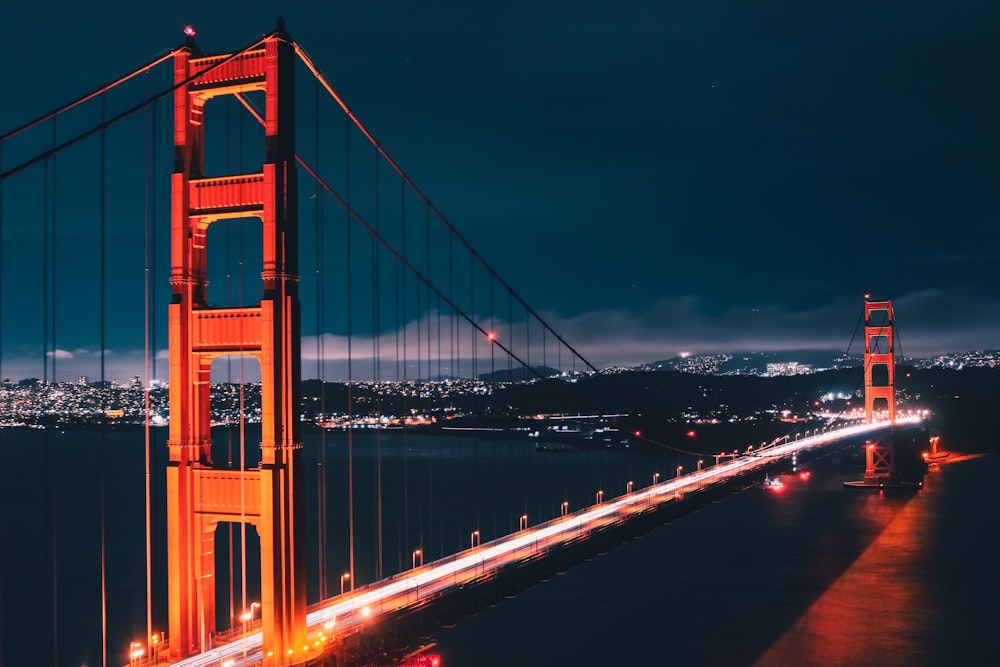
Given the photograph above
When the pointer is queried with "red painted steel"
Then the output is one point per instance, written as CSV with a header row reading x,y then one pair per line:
x,y
875,357
199,495
880,455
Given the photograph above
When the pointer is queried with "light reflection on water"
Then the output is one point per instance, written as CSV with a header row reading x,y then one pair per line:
x,y
870,612
817,575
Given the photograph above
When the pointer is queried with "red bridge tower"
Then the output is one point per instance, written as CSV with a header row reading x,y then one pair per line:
x,y
199,495
879,358
880,455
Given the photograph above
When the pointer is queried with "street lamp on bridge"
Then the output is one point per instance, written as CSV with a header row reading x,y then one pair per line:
x,y
565,507
474,539
344,577
247,616
600,497
679,469
155,642
524,522
417,553
628,487
135,653
656,478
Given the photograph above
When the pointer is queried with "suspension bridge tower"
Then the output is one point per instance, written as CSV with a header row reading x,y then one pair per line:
x,y
199,494
880,365
880,394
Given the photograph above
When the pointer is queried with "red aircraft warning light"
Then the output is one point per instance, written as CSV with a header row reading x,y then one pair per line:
x,y
491,337
691,434
189,31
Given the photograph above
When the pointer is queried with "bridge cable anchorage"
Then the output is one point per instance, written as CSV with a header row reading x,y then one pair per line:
x,y
104,124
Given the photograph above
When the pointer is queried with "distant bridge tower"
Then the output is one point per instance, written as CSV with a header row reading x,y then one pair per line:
x,y
879,361
880,373
199,495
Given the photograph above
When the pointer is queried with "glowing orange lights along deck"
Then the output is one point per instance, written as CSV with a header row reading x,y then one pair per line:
x,y
199,495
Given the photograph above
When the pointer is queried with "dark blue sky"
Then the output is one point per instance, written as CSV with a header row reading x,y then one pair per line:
x,y
656,176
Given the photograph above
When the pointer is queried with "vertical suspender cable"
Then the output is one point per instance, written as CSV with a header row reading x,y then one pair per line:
x,y
104,453
427,233
1,377
406,375
47,455
52,216
231,560
53,355
493,409
320,364
510,378
456,347
398,278
427,289
150,184
376,381
427,317
397,306
350,362
243,421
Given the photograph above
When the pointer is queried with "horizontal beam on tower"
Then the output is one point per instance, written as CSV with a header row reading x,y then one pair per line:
x,y
226,195
227,495
227,330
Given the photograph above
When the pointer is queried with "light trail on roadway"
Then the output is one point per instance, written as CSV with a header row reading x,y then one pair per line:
x,y
350,613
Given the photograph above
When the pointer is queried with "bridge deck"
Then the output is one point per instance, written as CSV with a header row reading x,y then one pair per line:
x,y
347,614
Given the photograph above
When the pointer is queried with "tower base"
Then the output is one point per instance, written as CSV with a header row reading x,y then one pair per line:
x,y
883,484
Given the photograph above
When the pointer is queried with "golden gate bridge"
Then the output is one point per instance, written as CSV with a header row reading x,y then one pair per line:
x,y
410,299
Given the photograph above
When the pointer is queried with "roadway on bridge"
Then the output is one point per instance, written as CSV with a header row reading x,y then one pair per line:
x,y
349,613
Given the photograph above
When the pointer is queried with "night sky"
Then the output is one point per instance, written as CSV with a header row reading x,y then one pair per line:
x,y
655,177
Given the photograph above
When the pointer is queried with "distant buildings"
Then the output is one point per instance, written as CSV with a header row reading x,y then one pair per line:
x,y
36,402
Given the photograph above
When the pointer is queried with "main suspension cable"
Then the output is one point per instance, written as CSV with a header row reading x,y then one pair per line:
x,y
427,202
89,96
153,99
400,257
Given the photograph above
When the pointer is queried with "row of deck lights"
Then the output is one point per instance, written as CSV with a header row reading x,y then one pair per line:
x,y
136,650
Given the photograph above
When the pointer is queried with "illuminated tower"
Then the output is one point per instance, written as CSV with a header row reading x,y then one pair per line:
x,y
199,495
880,372
879,362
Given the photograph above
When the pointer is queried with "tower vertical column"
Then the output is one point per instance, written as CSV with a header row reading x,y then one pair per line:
x,y
269,331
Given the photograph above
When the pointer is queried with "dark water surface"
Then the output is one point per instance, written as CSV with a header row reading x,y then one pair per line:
x,y
434,492
816,575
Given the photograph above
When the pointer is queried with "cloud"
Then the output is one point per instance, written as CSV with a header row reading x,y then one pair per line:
x,y
927,322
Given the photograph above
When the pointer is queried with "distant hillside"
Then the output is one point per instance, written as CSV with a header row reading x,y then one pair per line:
x,y
519,374
752,363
